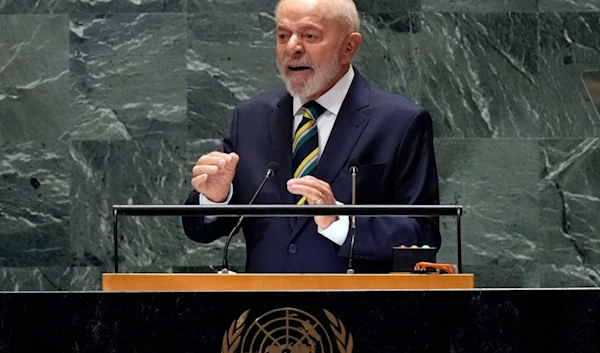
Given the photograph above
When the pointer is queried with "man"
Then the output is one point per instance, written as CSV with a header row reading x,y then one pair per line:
x,y
390,136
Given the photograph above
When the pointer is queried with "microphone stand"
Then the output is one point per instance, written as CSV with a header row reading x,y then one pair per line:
x,y
353,170
225,266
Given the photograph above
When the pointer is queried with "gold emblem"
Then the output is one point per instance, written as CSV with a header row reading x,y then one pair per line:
x,y
287,330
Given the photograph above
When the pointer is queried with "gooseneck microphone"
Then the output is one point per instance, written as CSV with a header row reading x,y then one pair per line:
x,y
271,170
353,171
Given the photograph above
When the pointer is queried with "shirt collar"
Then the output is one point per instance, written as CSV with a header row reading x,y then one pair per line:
x,y
331,100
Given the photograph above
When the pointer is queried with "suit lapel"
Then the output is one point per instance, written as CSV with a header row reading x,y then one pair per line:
x,y
347,129
280,133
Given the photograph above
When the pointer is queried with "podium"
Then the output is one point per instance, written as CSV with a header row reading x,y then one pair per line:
x,y
287,211
152,282
416,321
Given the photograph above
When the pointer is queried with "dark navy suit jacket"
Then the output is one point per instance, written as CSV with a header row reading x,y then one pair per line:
x,y
392,139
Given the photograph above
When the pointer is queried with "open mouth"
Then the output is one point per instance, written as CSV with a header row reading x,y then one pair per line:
x,y
298,68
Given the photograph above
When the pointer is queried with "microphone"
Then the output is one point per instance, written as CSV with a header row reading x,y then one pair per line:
x,y
353,170
271,170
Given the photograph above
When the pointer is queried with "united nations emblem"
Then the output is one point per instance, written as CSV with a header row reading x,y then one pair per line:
x,y
287,330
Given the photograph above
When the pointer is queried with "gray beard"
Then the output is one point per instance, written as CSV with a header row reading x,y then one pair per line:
x,y
321,78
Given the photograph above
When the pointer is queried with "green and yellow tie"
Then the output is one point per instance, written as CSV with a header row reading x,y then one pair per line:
x,y
305,147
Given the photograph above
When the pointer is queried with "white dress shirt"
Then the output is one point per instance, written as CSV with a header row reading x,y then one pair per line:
x,y
332,101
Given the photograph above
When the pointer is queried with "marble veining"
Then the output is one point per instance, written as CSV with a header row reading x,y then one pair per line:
x,y
142,6
479,5
591,79
33,6
51,278
562,276
386,58
569,5
245,6
231,6
388,6
118,85
34,203
570,202
127,172
91,6
569,46
500,230
34,76
231,57
479,74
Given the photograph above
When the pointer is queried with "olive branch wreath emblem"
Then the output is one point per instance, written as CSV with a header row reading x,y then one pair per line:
x,y
231,338
343,338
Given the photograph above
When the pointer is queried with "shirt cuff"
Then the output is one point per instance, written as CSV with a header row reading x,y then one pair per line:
x,y
337,232
203,200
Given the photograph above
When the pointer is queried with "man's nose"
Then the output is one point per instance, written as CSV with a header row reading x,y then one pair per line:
x,y
294,46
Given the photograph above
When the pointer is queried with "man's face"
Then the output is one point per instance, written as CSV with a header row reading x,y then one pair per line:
x,y
308,47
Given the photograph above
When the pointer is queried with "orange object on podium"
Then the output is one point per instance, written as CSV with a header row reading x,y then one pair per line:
x,y
112,282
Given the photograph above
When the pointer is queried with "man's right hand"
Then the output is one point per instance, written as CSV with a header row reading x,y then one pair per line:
x,y
213,173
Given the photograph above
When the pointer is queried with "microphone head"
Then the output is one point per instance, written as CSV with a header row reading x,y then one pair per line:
x,y
272,168
353,164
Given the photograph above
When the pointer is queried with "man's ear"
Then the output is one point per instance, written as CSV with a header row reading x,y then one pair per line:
x,y
351,47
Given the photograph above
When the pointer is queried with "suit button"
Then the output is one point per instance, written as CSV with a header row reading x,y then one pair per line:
x,y
292,249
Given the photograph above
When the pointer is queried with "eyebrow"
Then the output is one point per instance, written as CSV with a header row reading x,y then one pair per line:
x,y
311,26
302,27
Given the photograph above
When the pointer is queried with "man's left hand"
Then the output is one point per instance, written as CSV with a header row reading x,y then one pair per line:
x,y
317,192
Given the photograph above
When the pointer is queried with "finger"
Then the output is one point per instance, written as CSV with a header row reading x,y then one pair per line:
x,y
204,169
198,181
308,180
311,193
217,162
322,186
314,183
215,154
232,161
214,158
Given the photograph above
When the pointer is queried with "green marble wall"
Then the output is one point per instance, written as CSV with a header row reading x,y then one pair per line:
x,y
111,102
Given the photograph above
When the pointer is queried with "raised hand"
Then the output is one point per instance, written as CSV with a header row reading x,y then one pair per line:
x,y
213,173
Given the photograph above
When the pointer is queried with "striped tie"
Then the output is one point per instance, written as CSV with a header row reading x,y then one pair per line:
x,y
305,147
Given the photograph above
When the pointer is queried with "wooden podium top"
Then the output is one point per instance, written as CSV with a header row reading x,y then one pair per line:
x,y
276,282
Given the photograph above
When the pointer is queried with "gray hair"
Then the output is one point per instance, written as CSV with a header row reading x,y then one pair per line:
x,y
342,10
